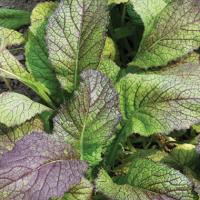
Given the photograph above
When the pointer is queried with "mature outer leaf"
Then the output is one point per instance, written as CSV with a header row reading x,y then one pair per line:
x,y
36,52
75,38
175,32
20,4
11,68
39,167
161,179
89,118
9,37
109,69
158,104
114,191
148,11
83,191
9,137
13,19
16,108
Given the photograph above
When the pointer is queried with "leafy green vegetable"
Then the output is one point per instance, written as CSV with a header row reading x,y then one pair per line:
x,y
88,119
36,52
158,104
75,38
13,19
148,181
16,109
9,137
11,68
9,37
46,168
117,1
168,35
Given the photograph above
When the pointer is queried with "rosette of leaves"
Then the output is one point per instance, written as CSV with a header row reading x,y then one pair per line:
x,y
96,105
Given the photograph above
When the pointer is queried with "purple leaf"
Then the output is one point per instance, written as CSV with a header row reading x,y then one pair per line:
x,y
39,167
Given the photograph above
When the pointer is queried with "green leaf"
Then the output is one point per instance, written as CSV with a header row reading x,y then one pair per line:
x,y
110,50
184,155
36,52
9,137
148,10
16,109
13,19
117,1
109,69
158,104
11,68
161,179
75,38
82,191
9,37
173,32
160,190
88,119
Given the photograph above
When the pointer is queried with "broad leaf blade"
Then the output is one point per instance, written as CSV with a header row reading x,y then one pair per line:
x,y
9,37
175,32
36,52
83,191
114,191
75,38
16,109
161,179
88,119
13,19
9,137
158,104
39,167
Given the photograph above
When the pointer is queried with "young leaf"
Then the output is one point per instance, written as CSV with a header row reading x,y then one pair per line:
x,y
13,19
109,69
181,189
75,38
158,104
174,32
117,1
39,167
9,37
9,137
88,119
16,109
36,52
83,191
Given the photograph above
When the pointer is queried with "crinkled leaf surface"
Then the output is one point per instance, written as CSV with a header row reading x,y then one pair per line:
x,y
75,38
161,179
36,52
20,4
174,33
88,119
16,108
9,137
39,167
13,19
158,104
178,185
82,191
110,69
9,37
